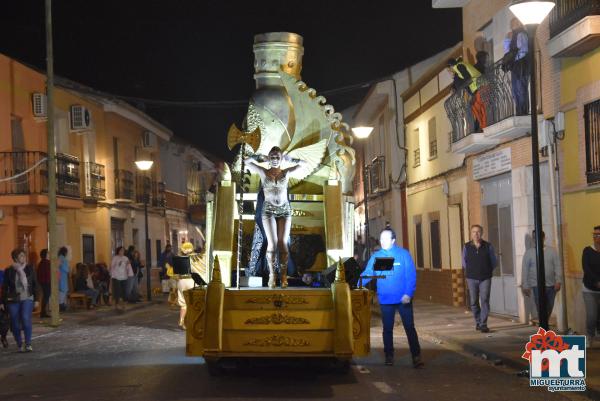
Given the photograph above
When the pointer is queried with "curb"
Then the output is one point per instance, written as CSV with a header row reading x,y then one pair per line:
x,y
591,393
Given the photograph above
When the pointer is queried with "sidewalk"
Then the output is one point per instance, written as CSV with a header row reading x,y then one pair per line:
x,y
504,344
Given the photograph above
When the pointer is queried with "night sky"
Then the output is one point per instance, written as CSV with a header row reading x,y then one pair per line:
x,y
201,50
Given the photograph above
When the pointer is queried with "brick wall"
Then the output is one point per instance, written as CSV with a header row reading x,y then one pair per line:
x,y
435,286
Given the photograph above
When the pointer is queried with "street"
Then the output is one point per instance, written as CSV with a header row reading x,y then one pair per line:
x,y
139,355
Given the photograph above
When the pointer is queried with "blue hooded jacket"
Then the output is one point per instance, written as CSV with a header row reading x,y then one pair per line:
x,y
400,281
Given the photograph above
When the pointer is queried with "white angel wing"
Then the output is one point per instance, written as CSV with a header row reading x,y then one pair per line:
x,y
312,155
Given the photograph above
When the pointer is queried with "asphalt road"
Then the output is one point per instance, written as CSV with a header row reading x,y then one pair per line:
x,y
140,355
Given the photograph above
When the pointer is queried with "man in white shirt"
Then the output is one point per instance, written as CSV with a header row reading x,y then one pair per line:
x,y
553,274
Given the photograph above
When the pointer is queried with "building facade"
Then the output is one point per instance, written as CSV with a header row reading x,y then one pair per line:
x,y
100,192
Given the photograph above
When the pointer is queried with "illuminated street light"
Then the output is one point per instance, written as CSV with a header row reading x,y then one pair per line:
x,y
144,165
531,13
363,132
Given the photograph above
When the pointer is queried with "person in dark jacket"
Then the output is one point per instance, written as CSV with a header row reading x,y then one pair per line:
x,y
43,276
395,293
590,261
479,261
19,297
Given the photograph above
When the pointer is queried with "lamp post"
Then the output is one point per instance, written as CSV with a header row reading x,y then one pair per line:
x,y
363,132
145,165
531,13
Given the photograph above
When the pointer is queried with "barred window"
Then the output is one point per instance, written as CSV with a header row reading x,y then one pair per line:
x,y
432,138
592,141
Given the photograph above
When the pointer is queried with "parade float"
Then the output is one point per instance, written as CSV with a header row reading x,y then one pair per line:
x,y
237,315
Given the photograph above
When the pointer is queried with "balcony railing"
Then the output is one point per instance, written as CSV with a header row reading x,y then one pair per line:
x,y
124,185
159,198
196,197
95,181
377,179
143,189
568,12
23,173
495,89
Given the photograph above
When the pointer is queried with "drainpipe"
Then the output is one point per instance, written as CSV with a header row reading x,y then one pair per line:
x,y
563,323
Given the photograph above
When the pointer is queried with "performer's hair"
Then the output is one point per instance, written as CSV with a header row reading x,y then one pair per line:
x,y
275,149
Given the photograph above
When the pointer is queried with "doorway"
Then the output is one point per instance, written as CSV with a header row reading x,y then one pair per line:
x,y
498,218
117,233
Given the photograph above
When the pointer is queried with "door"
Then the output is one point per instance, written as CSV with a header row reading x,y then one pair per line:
x,y
117,233
497,211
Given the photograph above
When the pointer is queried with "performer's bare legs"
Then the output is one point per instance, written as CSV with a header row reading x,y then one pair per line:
x,y
270,226
284,225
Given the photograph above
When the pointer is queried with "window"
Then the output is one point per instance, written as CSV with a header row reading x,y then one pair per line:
x,y
436,251
88,249
592,141
419,241
432,138
417,151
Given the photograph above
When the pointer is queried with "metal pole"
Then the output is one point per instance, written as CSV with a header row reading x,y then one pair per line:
x,y
366,204
52,245
148,253
238,261
537,201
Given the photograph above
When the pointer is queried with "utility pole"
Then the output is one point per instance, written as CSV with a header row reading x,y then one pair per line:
x,y
52,246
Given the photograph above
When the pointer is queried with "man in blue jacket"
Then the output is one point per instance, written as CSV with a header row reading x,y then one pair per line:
x,y
395,293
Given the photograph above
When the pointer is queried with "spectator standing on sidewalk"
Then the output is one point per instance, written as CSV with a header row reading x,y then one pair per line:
x,y
63,283
120,270
102,279
43,276
19,297
395,293
133,282
479,261
591,285
4,318
553,274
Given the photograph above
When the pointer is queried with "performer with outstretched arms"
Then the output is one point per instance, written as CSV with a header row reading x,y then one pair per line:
x,y
276,212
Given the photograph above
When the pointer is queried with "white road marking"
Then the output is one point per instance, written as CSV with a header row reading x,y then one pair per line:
x,y
383,387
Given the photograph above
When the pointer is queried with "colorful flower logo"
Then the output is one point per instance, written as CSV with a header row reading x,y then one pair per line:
x,y
544,340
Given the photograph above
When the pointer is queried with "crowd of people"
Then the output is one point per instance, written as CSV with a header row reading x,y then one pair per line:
x,y
23,286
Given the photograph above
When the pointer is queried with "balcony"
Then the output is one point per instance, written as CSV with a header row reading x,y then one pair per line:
x,y
503,120
377,182
197,206
95,181
159,198
124,186
143,189
574,28
30,175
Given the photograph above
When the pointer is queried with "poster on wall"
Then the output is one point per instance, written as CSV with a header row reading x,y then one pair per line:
x,y
492,164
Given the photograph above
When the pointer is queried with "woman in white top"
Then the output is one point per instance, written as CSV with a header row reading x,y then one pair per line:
x,y
276,213
120,270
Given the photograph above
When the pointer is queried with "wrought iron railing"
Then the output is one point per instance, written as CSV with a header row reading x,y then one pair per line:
x,y
26,172
159,198
95,178
377,179
143,189
196,197
568,12
495,90
592,141
124,185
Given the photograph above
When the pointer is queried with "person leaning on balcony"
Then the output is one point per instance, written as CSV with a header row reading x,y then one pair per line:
x,y
467,76
395,293
553,274
591,285
479,261
63,282
120,270
19,297
516,47
43,276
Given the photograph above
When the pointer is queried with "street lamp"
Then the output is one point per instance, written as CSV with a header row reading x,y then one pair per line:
x,y
145,165
363,132
531,13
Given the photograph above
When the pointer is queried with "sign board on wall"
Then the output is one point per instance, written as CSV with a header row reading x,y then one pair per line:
x,y
492,164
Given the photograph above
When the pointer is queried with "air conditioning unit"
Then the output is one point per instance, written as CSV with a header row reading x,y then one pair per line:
x,y
148,140
39,105
81,118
